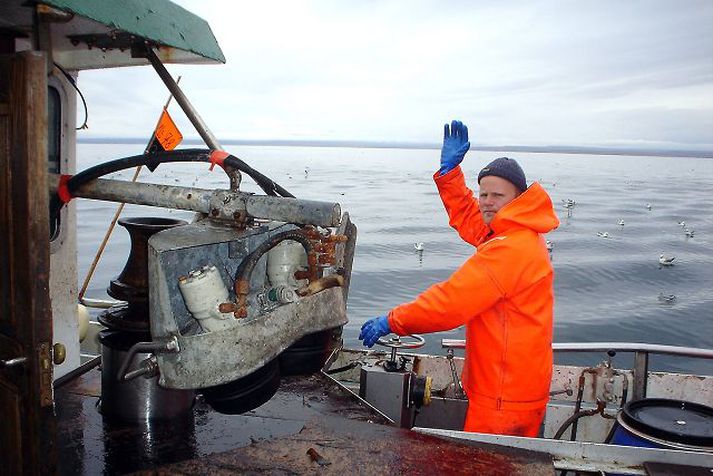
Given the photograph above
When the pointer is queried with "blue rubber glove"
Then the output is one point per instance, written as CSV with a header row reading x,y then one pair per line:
x,y
373,329
455,145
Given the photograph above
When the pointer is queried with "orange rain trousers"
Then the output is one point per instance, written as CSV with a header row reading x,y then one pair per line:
x,y
504,422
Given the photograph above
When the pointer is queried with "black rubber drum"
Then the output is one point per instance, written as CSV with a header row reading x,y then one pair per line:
x,y
664,423
246,393
308,354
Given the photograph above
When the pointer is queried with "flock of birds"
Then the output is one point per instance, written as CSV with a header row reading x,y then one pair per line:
x,y
664,260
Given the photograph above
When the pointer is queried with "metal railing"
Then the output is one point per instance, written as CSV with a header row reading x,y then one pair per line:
x,y
641,351
607,346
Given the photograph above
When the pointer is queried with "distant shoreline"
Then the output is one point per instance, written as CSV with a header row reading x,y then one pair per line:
x,y
421,145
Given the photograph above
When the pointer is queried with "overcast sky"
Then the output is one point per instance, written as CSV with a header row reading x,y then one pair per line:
x,y
587,73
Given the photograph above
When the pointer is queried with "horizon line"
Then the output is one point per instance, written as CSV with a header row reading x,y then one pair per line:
x,y
561,149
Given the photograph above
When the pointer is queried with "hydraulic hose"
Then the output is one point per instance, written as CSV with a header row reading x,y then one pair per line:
x,y
573,418
153,160
242,274
578,406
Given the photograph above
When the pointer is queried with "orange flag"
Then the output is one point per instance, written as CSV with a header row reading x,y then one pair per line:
x,y
167,133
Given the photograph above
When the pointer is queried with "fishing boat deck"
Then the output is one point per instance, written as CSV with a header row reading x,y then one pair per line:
x,y
308,414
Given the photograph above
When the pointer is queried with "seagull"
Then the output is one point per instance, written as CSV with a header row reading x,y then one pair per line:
x,y
603,234
682,224
648,206
621,222
689,233
568,203
418,246
667,298
306,171
550,246
666,260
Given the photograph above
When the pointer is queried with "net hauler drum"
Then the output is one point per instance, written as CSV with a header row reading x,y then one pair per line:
x,y
664,423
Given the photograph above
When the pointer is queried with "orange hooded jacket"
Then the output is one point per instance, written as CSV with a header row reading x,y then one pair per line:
x,y
503,294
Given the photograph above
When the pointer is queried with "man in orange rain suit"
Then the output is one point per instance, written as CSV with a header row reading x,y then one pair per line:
x,y
503,293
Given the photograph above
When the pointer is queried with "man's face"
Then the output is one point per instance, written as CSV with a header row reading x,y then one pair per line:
x,y
495,193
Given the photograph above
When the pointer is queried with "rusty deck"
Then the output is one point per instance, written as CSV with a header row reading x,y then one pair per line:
x,y
310,426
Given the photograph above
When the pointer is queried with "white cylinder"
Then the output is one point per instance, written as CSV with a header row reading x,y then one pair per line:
x,y
282,262
203,291
83,319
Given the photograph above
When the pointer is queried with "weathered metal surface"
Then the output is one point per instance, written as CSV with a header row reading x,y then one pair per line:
x,y
293,210
208,359
166,196
344,252
446,413
223,356
387,391
63,247
692,388
225,203
187,35
599,385
176,252
438,368
584,456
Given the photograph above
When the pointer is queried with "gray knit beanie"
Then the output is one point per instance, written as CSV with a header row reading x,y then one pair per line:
x,y
506,168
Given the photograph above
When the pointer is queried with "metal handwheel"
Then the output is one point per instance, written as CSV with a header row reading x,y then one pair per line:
x,y
394,342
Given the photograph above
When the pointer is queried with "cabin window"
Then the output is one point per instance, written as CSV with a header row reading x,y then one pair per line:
x,y
54,136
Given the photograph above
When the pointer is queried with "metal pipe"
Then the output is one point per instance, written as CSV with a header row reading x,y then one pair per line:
x,y
605,346
182,100
222,204
641,375
142,348
166,196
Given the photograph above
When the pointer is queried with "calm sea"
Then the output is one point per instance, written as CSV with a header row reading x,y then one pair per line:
x,y
607,288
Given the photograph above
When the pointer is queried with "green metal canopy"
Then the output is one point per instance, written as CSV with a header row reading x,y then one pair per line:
x,y
88,34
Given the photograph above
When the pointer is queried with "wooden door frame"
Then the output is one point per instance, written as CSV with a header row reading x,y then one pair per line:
x,y
27,439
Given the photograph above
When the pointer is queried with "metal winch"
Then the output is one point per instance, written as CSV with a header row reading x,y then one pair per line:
x,y
226,304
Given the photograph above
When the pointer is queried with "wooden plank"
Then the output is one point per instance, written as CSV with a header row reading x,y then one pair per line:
x,y
26,319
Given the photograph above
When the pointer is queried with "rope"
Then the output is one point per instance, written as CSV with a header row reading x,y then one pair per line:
x,y
112,225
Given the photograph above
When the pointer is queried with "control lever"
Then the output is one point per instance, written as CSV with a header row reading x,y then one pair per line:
x,y
454,375
567,390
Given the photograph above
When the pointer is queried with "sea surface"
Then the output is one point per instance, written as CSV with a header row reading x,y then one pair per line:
x,y
608,289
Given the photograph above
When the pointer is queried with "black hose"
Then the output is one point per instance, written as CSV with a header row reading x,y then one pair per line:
x,y
573,418
246,266
344,368
152,160
268,185
578,405
610,435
